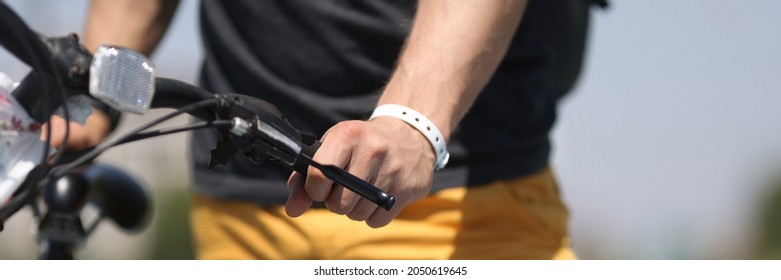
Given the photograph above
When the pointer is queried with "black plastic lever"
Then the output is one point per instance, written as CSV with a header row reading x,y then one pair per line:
x,y
349,181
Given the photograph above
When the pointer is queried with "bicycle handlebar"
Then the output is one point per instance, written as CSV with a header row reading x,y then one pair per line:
x,y
267,133
29,49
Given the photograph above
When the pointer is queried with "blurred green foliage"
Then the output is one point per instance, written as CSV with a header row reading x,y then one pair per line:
x,y
172,239
769,243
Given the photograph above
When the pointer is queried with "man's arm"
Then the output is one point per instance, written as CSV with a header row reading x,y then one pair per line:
x,y
451,53
135,24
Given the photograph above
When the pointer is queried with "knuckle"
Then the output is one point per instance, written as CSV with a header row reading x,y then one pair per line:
x,y
317,188
341,201
362,211
336,208
377,148
356,216
340,206
350,129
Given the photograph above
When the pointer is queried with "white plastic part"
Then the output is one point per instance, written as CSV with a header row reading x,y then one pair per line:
x,y
123,79
422,124
21,146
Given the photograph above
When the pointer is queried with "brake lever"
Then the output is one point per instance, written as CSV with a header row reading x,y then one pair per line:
x,y
349,181
263,132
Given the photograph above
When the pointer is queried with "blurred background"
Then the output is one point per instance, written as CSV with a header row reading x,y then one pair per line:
x,y
668,148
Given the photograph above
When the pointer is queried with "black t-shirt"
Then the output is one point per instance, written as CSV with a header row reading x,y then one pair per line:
x,y
321,62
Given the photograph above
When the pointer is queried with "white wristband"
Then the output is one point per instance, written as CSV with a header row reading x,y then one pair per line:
x,y
422,124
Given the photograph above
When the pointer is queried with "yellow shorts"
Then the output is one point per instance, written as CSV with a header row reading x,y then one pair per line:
x,y
515,219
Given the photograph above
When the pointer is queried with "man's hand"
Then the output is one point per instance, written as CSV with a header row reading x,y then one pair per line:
x,y
385,152
80,137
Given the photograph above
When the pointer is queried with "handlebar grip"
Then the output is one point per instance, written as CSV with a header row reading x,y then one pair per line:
x,y
21,41
174,94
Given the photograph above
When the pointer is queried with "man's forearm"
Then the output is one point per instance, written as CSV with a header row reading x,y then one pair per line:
x,y
452,52
135,24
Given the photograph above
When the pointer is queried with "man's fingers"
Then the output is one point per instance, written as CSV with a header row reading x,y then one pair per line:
x,y
334,152
365,164
298,201
363,210
381,218
340,200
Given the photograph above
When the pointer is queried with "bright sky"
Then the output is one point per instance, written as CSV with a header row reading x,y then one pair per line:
x,y
671,139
